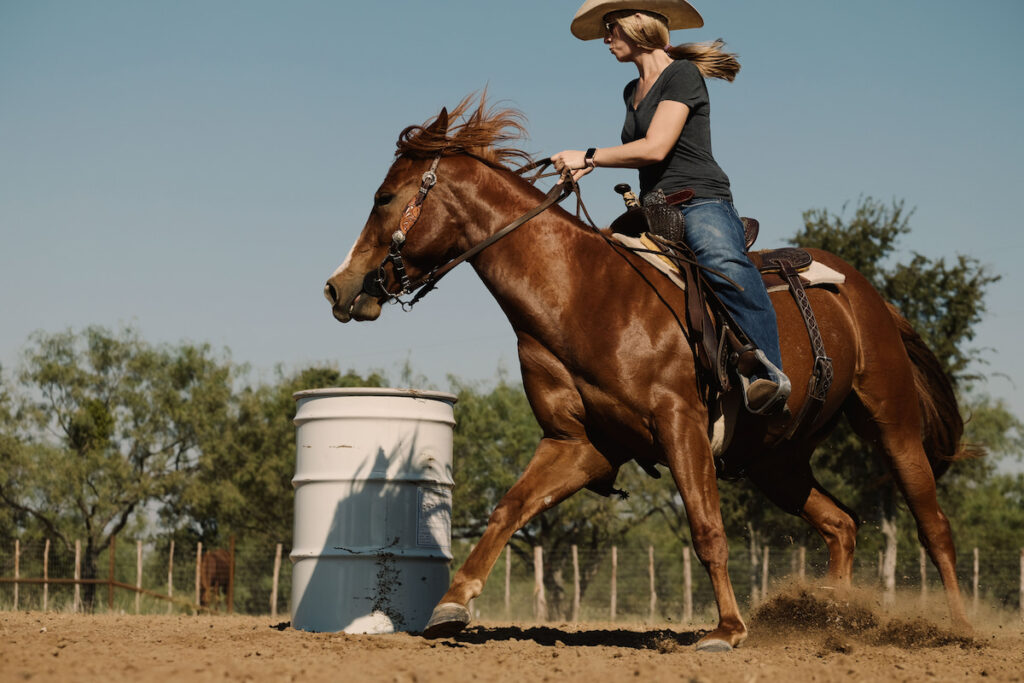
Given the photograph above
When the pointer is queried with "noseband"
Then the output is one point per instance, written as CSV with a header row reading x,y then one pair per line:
x,y
373,283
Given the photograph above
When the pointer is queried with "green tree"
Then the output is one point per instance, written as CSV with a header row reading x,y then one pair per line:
x,y
243,477
241,483
106,427
987,504
944,302
10,518
990,516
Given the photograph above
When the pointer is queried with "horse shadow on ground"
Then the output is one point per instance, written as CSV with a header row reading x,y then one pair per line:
x,y
654,639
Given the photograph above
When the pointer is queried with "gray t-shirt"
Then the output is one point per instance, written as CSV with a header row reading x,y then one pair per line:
x,y
689,164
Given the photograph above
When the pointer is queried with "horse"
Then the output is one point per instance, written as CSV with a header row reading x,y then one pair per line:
x,y
610,373
215,574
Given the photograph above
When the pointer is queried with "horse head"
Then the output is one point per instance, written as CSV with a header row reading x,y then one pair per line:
x,y
424,197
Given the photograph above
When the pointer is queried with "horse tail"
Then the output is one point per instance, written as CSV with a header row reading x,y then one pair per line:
x,y
942,426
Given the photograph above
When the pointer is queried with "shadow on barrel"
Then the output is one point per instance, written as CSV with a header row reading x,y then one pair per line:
x,y
382,562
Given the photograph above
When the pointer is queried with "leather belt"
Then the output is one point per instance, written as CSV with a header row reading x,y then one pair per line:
x,y
679,197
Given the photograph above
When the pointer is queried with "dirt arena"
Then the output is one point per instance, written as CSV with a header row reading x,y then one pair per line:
x,y
794,637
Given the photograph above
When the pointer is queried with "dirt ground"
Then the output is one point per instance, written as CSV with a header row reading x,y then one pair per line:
x,y
794,637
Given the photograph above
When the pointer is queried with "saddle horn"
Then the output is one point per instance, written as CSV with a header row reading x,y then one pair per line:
x,y
627,195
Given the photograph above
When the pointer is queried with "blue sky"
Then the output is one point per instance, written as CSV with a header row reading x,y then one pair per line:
x,y
198,168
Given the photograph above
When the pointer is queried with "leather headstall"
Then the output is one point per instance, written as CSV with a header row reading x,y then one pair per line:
x,y
373,282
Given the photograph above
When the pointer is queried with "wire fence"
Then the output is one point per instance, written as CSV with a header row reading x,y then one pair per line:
x,y
141,578
628,584
641,585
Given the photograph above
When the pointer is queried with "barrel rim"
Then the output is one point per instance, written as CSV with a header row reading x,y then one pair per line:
x,y
375,391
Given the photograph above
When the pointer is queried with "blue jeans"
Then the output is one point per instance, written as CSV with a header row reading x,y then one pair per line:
x,y
714,232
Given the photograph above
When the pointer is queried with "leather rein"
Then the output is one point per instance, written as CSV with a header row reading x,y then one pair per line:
x,y
374,282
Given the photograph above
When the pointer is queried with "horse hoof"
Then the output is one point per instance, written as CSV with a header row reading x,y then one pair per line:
x,y
447,619
713,645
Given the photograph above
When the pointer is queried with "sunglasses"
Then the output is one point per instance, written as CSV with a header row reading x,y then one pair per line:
x,y
608,26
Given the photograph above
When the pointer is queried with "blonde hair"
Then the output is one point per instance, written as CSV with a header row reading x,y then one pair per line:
x,y
649,30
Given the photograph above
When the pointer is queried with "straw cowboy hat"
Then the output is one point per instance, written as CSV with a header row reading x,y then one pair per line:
x,y
588,24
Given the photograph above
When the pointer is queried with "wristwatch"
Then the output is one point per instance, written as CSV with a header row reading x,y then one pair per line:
x,y
588,159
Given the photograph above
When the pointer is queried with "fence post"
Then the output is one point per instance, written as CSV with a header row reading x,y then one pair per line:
x,y
615,569
764,575
170,577
687,585
755,594
890,532
199,569
974,607
650,574
922,560
508,582
471,605
277,575
575,585
78,577
46,575
803,562
231,578
110,573
17,570
138,575
540,601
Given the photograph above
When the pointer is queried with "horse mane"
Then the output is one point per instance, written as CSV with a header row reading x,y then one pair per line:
x,y
478,133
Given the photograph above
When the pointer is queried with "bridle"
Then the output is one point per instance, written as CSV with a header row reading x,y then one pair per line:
x,y
374,281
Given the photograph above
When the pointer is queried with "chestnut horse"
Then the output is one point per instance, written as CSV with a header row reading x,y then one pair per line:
x,y
610,374
215,576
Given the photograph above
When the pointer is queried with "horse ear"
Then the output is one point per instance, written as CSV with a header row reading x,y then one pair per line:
x,y
440,125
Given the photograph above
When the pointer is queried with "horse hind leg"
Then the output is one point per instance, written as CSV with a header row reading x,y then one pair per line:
x,y
889,417
558,470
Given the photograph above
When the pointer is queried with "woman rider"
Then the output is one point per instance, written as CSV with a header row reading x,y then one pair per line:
x,y
667,136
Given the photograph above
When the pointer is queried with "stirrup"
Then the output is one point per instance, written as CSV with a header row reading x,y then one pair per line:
x,y
783,387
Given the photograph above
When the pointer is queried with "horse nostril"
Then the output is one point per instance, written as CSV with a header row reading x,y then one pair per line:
x,y
331,293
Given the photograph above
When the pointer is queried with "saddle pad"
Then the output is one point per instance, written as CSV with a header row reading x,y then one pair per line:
x,y
816,274
660,262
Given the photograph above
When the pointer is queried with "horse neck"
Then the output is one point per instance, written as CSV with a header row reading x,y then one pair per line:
x,y
533,272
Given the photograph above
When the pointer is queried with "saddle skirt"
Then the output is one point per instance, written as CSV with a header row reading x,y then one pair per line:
x,y
812,275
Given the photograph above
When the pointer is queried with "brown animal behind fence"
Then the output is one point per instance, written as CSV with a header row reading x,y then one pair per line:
x,y
215,575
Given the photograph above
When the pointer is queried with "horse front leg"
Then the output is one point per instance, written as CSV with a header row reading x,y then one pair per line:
x,y
557,470
692,465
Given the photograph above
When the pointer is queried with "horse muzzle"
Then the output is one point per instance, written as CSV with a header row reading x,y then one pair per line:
x,y
353,302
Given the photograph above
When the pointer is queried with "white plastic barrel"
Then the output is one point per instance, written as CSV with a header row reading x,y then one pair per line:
x,y
373,500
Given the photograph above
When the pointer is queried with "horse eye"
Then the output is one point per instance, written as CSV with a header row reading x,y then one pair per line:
x,y
383,199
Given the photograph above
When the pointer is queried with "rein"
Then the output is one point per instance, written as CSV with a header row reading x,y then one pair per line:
x,y
373,283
